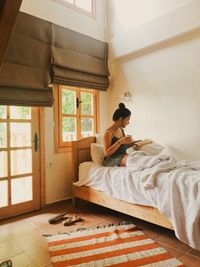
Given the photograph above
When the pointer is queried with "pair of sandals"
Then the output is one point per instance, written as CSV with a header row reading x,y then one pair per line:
x,y
66,219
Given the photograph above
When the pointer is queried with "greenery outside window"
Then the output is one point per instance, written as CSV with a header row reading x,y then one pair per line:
x,y
75,113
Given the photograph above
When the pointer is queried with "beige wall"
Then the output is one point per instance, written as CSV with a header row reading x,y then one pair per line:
x,y
157,59
130,14
58,166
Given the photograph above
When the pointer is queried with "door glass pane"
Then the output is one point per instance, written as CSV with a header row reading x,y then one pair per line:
x,y
68,102
3,112
21,190
20,113
87,103
21,161
20,134
4,164
87,127
68,129
3,135
3,194
84,4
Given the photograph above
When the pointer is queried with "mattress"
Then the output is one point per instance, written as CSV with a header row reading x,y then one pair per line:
x,y
114,182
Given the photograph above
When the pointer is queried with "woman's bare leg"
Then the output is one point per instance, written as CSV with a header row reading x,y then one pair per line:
x,y
123,160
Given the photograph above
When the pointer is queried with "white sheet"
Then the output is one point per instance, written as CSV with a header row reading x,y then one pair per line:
x,y
158,181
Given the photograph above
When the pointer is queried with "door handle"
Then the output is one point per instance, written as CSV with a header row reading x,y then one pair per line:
x,y
78,102
35,141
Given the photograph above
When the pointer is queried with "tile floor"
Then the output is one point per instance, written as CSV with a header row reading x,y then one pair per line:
x,y
22,240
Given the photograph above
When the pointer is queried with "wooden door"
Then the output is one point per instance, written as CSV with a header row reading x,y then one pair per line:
x,y
19,160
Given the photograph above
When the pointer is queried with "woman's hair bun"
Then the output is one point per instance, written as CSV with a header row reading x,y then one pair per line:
x,y
121,112
121,105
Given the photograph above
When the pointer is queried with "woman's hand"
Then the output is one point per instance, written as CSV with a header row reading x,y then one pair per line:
x,y
125,140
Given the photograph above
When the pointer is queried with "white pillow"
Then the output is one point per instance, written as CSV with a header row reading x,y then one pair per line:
x,y
99,139
151,149
97,153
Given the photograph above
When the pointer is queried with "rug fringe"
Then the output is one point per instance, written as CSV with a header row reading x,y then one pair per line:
x,y
98,227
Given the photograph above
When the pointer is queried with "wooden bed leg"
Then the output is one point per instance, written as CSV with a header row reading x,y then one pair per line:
x,y
73,201
73,198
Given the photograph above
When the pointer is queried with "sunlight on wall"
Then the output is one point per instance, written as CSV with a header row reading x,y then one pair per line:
x,y
164,79
128,14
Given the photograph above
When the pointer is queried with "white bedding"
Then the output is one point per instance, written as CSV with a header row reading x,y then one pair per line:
x,y
158,181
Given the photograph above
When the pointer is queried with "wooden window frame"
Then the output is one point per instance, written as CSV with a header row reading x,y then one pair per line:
x,y
59,145
76,8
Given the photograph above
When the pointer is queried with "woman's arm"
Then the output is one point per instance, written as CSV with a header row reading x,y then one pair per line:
x,y
110,149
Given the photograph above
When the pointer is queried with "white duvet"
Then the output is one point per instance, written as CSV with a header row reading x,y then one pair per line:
x,y
158,181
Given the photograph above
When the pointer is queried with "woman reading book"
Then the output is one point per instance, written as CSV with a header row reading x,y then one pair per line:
x,y
115,140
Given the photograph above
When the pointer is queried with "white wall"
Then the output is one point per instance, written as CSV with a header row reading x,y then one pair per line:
x,y
58,166
159,63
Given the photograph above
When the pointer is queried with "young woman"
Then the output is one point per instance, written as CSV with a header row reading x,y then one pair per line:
x,y
115,141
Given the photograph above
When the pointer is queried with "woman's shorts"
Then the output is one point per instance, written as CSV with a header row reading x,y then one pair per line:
x,y
113,161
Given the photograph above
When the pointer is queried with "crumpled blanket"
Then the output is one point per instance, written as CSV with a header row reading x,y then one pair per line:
x,y
173,188
151,166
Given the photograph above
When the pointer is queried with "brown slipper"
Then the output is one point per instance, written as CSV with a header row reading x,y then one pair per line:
x,y
6,263
72,220
58,218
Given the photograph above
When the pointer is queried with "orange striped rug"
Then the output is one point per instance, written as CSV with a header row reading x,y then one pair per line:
x,y
116,245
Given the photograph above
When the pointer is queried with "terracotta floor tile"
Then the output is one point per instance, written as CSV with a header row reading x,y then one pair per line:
x,y
27,242
40,255
23,260
14,230
174,252
170,240
9,249
195,252
190,260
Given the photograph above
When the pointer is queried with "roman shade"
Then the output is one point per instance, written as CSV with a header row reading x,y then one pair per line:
x,y
40,53
79,60
25,73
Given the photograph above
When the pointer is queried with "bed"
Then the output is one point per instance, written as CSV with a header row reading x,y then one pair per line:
x,y
81,153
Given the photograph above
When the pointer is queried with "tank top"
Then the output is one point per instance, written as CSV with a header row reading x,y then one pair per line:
x,y
121,150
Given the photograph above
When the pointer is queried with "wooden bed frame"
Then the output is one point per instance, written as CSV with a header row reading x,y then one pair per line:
x,y
81,153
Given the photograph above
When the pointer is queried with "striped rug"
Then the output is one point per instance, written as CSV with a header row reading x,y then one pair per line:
x,y
116,245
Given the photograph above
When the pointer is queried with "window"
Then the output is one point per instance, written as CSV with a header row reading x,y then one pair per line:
x,y
75,113
84,6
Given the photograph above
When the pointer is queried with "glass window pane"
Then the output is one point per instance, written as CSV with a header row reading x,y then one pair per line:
x,y
21,161
68,102
3,112
3,194
87,127
20,134
3,135
4,164
21,190
68,129
84,4
87,103
20,113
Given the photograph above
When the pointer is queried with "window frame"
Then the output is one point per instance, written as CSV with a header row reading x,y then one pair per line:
x,y
73,6
59,145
